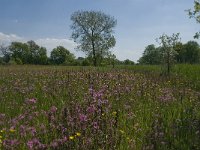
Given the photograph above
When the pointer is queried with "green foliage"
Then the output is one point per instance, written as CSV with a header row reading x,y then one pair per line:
x,y
151,55
91,108
5,53
168,52
61,55
18,61
28,53
86,62
192,52
195,13
93,31
128,62
37,54
20,51
182,53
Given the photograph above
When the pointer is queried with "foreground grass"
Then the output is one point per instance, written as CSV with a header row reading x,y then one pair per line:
x,y
103,108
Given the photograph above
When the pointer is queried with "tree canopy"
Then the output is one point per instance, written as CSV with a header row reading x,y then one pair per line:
x,y
94,33
195,13
60,55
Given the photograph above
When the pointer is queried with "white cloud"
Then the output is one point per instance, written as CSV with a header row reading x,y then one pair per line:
x,y
7,38
49,43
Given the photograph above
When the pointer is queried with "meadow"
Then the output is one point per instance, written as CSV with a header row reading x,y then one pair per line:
x,y
127,108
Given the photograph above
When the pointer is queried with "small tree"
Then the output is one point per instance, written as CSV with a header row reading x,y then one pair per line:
x,y
93,31
168,53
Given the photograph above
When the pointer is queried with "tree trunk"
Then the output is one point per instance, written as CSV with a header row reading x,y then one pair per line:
x,y
94,52
168,62
94,55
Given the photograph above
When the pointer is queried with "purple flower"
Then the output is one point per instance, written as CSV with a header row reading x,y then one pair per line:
x,y
91,109
95,125
31,101
11,143
32,130
35,144
53,109
30,144
82,117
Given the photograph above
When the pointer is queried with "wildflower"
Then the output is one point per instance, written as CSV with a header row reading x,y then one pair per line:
x,y
122,132
91,109
2,131
95,125
53,109
82,117
1,141
114,113
12,130
103,114
31,101
78,133
71,137
1,137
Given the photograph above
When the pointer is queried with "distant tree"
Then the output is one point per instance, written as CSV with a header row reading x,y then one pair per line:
x,y
93,31
111,58
192,52
40,56
61,55
86,62
4,53
195,13
180,56
151,55
168,52
19,52
28,53
128,62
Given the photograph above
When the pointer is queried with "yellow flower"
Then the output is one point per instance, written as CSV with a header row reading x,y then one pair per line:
x,y
103,114
1,137
71,137
78,133
1,141
122,132
114,113
1,131
12,130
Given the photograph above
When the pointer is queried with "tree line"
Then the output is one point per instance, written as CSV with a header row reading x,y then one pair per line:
x,y
183,53
31,53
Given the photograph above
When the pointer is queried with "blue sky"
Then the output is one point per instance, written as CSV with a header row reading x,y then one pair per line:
x,y
139,22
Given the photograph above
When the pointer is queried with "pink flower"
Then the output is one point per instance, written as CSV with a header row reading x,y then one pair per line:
x,y
53,109
31,101
82,117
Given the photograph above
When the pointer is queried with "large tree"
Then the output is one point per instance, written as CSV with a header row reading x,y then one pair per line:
x,y
94,33
195,13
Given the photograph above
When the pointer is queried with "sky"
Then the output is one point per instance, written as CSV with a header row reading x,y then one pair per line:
x,y
139,22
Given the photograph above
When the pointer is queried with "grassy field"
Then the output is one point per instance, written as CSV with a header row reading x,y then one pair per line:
x,y
135,107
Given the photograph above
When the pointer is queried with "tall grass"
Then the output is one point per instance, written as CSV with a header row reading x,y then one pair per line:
x,y
97,108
